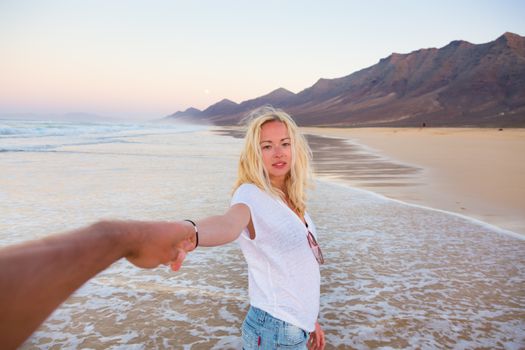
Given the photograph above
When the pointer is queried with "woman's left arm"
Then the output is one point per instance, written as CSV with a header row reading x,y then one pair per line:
x,y
317,340
221,229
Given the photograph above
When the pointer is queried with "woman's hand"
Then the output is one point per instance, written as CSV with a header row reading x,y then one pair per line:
x,y
316,341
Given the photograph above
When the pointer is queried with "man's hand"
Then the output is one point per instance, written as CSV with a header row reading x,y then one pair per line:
x,y
160,243
37,276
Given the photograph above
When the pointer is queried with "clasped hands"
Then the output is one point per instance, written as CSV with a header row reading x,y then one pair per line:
x,y
150,244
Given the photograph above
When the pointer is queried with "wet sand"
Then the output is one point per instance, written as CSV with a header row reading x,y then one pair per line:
x,y
479,173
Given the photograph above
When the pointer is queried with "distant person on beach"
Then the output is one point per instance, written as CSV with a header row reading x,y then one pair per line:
x,y
37,276
268,219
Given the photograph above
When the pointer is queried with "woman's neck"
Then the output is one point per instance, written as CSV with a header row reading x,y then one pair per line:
x,y
279,184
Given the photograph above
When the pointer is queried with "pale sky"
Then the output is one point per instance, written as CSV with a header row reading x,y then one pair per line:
x,y
145,59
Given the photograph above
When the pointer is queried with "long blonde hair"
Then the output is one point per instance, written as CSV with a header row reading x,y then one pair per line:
x,y
251,167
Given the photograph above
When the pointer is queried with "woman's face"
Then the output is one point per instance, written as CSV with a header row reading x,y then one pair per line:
x,y
276,149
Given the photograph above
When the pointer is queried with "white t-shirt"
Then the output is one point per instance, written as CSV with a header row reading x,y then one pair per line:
x,y
283,274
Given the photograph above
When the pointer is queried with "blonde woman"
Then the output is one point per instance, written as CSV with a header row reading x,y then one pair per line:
x,y
268,219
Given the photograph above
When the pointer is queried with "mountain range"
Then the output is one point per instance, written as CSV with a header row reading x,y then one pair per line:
x,y
460,84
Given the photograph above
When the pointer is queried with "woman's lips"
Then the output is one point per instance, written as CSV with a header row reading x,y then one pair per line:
x,y
279,165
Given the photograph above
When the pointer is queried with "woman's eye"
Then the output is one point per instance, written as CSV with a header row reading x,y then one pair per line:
x,y
267,147
286,144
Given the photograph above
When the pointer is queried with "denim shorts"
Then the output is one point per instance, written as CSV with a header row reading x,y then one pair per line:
x,y
262,331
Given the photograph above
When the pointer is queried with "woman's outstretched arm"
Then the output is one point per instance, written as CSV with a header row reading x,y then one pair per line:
x,y
222,229
37,276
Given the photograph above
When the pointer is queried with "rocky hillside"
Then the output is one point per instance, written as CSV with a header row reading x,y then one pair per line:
x,y
461,84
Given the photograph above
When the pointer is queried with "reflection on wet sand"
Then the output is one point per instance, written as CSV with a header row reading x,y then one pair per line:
x,y
336,158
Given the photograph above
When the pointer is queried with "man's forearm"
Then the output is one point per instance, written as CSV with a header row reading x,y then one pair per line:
x,y
38,276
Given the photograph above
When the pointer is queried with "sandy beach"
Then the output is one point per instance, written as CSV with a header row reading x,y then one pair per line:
x,y
479,173
396,275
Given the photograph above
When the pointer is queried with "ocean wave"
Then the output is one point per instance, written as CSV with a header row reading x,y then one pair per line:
x,y
32,129
41,136
38,148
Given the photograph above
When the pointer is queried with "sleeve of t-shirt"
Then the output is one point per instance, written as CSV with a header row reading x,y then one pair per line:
x,y
247,194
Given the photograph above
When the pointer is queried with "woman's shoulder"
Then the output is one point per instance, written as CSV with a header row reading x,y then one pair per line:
x,y
248,192
247,189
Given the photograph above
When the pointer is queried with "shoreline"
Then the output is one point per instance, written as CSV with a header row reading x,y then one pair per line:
x,y
472,172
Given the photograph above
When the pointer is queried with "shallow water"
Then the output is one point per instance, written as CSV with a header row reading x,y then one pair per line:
x,y
397,276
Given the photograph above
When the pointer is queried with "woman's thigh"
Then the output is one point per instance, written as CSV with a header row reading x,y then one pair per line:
x,y
262,331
